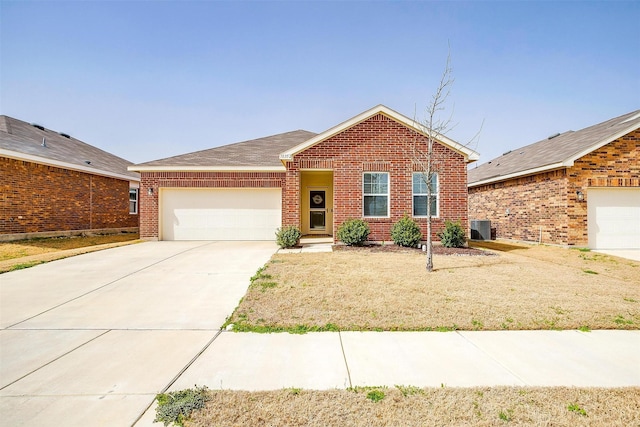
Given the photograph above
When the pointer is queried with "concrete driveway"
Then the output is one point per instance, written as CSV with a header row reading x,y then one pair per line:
x,y
90,340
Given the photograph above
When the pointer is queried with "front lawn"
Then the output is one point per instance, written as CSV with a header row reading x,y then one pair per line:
x,y
413,406
521,287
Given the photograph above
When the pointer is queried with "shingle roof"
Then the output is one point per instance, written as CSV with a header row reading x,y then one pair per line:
x,y
554,152
255,153
22,140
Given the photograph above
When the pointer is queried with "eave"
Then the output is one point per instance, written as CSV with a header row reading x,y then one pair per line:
x,y
142,169
65,165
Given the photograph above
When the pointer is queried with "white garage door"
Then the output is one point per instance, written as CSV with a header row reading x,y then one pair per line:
x,y
613,218
220,214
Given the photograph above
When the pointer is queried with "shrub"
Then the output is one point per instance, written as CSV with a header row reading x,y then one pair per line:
x,y
453,235
176,406
406,232
288,236
353,232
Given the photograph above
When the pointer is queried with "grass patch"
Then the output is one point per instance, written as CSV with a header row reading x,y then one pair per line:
x,y
413,406
525,288
577,409
22,266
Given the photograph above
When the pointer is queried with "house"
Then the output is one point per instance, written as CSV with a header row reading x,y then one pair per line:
x,y
53,184
576,188
361,168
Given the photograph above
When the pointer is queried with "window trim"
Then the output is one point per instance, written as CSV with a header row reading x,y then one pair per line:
x,y
435,195
135,191
387,194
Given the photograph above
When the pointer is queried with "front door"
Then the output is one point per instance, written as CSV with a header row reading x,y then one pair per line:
x,y
317,211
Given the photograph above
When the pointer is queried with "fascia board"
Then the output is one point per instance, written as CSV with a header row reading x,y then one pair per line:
x,y
207,168
64,165
288,155
533,171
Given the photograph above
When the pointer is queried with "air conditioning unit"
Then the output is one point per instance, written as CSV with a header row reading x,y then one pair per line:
x,y
480,229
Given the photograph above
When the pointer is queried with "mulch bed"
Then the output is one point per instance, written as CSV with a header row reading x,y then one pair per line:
x,y
437,249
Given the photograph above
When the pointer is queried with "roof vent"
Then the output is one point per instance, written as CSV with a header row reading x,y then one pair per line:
x,y
66,135
88,162
554,135
35,125
506,152
44,141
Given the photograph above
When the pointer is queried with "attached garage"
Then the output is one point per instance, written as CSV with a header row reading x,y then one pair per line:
x,y
220,214
613,218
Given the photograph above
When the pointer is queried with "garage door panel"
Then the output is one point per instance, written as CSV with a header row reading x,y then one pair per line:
x,y
220,214
613,217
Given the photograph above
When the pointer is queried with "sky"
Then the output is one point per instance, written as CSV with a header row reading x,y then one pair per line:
x,y
147,80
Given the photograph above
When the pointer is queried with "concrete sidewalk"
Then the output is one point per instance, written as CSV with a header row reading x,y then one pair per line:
x,y
327,360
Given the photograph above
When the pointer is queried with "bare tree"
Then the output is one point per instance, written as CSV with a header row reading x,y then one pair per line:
x,y
434,127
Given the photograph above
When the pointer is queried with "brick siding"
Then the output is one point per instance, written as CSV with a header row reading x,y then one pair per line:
x,y
545,207
39,198
378,144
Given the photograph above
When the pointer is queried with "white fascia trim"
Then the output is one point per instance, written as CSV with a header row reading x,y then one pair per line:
x,y
64,165
207,168
469,154
569,162
517,174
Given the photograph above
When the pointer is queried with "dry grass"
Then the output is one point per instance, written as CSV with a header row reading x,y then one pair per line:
x,y
26,253
524,287
410,406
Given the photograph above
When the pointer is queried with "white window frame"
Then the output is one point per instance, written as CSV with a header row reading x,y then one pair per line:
x,y
435,195
387,194
135,191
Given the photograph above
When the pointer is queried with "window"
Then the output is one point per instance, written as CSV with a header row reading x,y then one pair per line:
x,y
420,191
133,200
376,194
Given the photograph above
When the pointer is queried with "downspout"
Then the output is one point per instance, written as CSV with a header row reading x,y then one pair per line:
x,y
90,202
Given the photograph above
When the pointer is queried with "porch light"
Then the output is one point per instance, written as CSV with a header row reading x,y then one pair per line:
x,y
580,196
150,191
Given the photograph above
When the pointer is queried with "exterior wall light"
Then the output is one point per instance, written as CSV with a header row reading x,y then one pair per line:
x,y
150,191
580,196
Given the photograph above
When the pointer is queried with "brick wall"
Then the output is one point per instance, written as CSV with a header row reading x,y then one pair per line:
x,y
547,202
524,208
157,180
37,198
378,144
615,165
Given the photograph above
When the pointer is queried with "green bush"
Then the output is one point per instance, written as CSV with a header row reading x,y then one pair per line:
x,y
353,232
406,232
453,235
288,236
176,406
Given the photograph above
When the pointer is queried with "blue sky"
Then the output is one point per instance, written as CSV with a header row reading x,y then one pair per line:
x,y
147,80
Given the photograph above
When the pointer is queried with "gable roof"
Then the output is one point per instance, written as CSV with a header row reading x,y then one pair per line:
x,y
260,154
22,141
469,155
556,152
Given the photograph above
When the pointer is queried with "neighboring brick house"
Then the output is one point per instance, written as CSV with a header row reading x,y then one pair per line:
x,y
53,184
361,168
576,188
